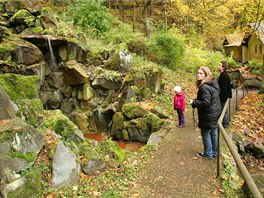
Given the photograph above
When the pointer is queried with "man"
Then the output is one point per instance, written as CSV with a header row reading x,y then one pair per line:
x,y
224,83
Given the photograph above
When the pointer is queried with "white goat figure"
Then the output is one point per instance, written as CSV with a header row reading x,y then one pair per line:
x,y
125,59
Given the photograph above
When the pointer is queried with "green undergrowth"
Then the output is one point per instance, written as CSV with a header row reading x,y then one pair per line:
x,y
113,182
230,179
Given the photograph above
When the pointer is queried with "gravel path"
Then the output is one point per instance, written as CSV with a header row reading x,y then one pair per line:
x,y
176,171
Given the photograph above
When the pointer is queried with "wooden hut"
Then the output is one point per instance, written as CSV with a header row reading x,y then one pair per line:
x,y
233,46
244,48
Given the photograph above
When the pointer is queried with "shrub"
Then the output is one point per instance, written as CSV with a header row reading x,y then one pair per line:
x,y
196,57
255,67
166,47
121,33
232,63
138,47
91,15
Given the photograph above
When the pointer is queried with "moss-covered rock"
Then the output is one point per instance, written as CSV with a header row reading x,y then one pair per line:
x,y
60,123
125,134
22,17
138,130
30,110
110,150
146,93
154,121
93,162
118,125
19,86
31,187
133,110
5,46
65,127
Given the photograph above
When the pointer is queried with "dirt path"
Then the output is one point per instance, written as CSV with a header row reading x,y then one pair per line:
x,y
176,171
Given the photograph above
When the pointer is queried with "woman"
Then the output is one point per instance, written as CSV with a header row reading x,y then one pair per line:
x,y
209,110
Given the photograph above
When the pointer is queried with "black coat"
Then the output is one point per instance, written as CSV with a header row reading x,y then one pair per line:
x,y
225,87
208,105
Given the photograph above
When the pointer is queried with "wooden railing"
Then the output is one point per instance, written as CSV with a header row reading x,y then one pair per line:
x,y
246,175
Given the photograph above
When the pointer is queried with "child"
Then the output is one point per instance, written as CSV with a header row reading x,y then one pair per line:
x,y
179,105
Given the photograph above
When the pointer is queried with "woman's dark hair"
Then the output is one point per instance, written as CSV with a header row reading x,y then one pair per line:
x,y
224,65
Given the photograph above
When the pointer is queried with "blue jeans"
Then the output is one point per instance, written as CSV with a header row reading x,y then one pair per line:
x,y
226,117
210,141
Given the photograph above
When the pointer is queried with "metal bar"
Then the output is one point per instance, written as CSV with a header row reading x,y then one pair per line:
x,y
247,177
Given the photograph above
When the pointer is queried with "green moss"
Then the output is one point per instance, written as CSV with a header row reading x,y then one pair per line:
x,y
125,134
23,15
6,47
110,148
92,155
85,146
53,150
118,125
19,86
5,136
139,123
65,128
146,92
29,156
32,186
133,110
154,121
37,29
30,109
60,123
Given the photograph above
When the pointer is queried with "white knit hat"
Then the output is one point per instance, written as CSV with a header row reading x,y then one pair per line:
x,y
177,89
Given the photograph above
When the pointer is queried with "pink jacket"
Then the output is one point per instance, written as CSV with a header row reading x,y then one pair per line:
x,y
179,101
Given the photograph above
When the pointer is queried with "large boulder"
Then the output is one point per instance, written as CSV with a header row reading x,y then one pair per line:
x,y
75,73
65,167
138,130
133,110
20,144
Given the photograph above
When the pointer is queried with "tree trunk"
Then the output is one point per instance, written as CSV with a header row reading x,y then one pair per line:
x,y
134,15
165,14
110,4
263,72
146,20
121,10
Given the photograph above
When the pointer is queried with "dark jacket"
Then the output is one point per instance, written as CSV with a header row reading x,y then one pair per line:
x,y
208,105
225,87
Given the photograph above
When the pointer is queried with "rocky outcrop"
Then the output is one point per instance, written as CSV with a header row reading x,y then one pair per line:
x,y
60,87
246,146
20,144
135,123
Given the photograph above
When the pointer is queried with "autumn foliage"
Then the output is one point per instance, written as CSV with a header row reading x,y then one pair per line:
x,y
249,119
